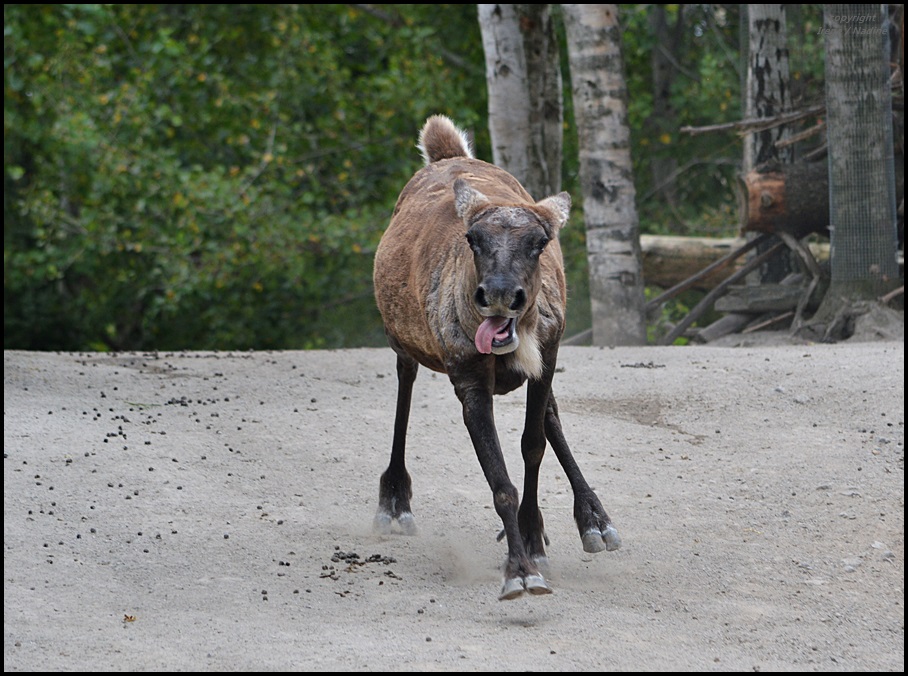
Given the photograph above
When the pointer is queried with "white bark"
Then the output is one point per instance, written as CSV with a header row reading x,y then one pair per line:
x,y
767,93
609,210
524,87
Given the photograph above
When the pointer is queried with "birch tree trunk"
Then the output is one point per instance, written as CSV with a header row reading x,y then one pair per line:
x,y
612,231
861,177
523,73
767,94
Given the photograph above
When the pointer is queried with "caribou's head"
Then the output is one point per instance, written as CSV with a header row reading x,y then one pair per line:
x,y
507,242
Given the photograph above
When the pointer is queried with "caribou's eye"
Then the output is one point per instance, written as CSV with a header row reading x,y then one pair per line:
x,y
540,245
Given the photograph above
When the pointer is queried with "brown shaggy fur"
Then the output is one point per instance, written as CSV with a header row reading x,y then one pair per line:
x,y
424,263
469,281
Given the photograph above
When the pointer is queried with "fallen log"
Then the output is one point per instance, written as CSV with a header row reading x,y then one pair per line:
x,y
760,298
730,323
710,297
669,261
791,198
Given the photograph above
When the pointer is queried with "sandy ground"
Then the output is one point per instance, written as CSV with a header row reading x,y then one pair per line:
x,y
212,511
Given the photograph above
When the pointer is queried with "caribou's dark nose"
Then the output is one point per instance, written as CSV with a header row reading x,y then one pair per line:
x,y
490,294
520,299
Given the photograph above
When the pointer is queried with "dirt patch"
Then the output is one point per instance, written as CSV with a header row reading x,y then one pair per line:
x,y
221,520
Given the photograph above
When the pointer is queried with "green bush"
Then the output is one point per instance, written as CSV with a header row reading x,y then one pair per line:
x,y
218,176
213,176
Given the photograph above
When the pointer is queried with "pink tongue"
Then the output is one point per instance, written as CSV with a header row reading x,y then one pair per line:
x,y
491,328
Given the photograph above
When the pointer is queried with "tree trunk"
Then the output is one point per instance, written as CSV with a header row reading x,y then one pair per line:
x,y
612,232
523,73
792,198
767,94
861,177
664,119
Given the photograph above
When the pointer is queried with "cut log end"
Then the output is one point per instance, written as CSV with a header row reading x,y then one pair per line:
x,y
788,198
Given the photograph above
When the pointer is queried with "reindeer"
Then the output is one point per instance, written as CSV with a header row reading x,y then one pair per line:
x,y
470,282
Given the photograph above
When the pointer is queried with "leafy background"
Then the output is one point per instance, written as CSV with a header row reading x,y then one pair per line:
x,y
218,176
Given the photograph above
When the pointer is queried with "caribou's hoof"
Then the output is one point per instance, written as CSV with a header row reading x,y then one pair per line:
x,y
611,537
537,585
407,523
383,521
516,586
595,540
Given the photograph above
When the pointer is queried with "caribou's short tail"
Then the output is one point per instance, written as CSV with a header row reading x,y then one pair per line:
x,y
440,139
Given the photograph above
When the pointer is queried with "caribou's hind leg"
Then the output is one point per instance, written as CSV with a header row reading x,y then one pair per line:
x,y
394,487
595,526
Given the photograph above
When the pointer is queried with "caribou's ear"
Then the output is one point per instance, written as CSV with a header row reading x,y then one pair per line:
x,y
560,206
467,200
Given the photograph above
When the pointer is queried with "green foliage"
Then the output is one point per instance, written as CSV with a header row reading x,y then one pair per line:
x,y
705,89
707,77
213,176
218,176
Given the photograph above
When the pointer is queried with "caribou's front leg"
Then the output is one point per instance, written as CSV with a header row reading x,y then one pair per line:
x,y
394,488
595,526
532,446
475,393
